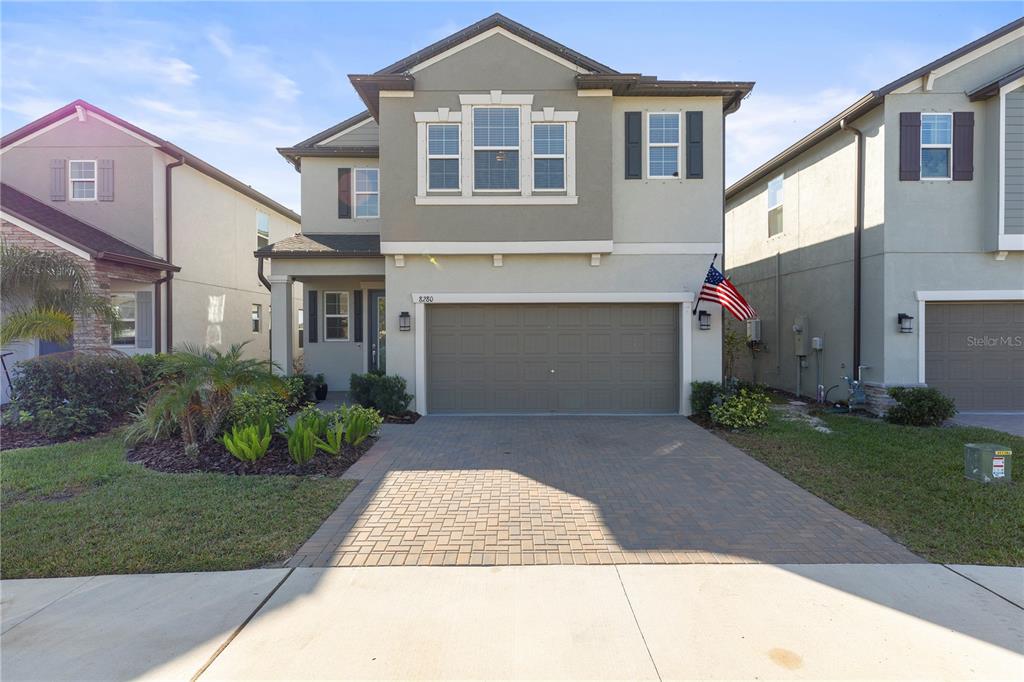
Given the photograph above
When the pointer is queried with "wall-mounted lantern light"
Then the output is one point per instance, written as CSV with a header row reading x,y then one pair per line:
x,y
404,321
704,320
906,323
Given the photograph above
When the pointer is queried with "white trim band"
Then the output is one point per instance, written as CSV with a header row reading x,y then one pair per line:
x,y
490,248
666,248
557,297
971,295
494,200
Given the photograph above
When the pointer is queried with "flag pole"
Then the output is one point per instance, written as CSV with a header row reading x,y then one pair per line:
x,y
696,305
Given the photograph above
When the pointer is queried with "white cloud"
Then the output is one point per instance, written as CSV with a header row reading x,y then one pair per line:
x,y
768,123
252,63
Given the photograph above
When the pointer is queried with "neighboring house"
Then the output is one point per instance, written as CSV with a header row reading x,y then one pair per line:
x,y
895,233
84,181
512,227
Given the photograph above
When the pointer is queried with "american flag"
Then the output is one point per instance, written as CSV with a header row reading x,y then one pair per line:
x,y
718,289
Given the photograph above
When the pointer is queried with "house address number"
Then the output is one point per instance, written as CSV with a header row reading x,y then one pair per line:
x,y
425,299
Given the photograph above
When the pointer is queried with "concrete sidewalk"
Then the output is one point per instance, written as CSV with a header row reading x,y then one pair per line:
x,y
552,622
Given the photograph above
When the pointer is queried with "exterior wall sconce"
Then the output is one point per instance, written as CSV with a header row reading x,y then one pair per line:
x,y
704,320
404,321
906,323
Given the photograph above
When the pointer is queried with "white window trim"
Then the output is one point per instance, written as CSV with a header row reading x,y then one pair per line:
x,y
258,319
492,148
924,146
347,314
95,180
562,156
678,145
356,193
1005,242
781,177
457,156
134,320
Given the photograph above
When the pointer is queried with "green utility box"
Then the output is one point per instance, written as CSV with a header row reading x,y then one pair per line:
x,y
987,462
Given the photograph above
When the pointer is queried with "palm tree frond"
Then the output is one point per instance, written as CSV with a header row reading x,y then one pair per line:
x,y
45,324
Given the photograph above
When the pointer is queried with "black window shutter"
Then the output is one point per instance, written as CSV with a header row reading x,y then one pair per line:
x,y
695,144
357,316
910,145
311,315
963,145
634,145
344,192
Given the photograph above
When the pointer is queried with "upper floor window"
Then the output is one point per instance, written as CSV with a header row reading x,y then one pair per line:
x,y
336,316
257,317
548,156
262,229
496,148
936,146
443,157
775,206
367,193
663,145
83,180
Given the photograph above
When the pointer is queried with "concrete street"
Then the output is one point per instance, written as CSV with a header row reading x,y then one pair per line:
x,y
738,621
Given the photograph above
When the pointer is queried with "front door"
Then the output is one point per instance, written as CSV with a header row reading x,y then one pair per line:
x,y
376,332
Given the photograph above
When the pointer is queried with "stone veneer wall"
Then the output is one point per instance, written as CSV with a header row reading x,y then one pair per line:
x,y
90,332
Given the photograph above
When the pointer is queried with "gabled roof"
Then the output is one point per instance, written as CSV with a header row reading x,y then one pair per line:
x,y
861,107
80,105
97,243
323,246
992,89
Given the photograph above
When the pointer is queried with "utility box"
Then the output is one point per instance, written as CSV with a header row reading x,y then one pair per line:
x,y
754,330
801,337
987,462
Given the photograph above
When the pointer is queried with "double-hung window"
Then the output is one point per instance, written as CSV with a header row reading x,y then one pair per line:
x,y
443,157
548,157
936,146
775,206
496,149
663,145
367,193
336,316
257,318
83,180
123,331
262,229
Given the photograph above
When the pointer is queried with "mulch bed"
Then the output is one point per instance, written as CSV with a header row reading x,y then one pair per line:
x,y
407,417
13,438
169,456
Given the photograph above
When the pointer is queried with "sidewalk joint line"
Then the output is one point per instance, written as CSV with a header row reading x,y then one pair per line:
x,y
237,630
49,604
984,587
637,621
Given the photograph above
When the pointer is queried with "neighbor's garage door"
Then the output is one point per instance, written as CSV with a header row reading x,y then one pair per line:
x,y
553,358
974,353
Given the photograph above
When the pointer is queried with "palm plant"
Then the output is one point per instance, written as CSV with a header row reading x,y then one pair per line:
x,y
43,291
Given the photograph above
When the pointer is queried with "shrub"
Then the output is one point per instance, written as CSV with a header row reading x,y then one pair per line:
x,y
704,394
313,419
919,407
110,382
332,440
301,443
67,421
247,443
386,393
258,408
359,423
151,425
153,368
745,410
302,389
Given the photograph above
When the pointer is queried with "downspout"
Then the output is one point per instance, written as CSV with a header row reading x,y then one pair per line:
x,y
168,249
858,230
157,347
259,273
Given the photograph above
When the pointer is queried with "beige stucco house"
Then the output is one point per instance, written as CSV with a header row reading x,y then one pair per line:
x,y
513,227
167,235
894,234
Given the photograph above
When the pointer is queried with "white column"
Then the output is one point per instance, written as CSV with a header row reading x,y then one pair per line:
x,y
281,323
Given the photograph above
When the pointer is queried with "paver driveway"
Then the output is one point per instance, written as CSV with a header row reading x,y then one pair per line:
x,y
582,490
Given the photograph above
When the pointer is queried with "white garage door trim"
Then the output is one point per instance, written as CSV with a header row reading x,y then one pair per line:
x,y
923,297
683,298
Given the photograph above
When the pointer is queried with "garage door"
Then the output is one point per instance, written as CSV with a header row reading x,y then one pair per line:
x,y
974,353
530,358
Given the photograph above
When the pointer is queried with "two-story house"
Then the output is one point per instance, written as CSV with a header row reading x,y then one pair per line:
x,y
513,227
889,243
165,234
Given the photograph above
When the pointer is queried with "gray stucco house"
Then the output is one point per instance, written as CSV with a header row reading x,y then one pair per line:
x,y
894,235
513,227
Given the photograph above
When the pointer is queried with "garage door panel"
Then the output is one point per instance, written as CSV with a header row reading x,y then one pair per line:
x,y
552,358
972,356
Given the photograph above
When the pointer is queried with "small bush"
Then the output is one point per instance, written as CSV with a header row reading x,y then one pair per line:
x,y
386,393
149,425
258,408
302,389
359,423
332,440
153,368
247,443
301,443
704,394
67,421
919,407
745,410
110,382
313,419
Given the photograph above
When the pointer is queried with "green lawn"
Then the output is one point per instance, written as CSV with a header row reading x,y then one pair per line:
x,y
906,481
81,509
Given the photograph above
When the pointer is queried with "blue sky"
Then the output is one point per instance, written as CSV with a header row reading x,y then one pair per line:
x,y
232,81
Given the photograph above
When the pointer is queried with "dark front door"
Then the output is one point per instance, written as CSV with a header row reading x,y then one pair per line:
x,y
376,331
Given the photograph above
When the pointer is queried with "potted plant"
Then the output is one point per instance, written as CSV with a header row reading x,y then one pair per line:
x,y
321,388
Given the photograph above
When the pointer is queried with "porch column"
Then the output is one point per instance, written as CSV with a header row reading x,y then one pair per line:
x,y
281,323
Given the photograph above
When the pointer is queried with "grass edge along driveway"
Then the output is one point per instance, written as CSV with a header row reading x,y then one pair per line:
x,y
906,481
81,509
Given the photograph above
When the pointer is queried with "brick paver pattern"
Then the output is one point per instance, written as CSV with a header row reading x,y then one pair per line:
x,y
578,490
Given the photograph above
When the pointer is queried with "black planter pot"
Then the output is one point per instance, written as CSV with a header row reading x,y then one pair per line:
x,y
321,392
